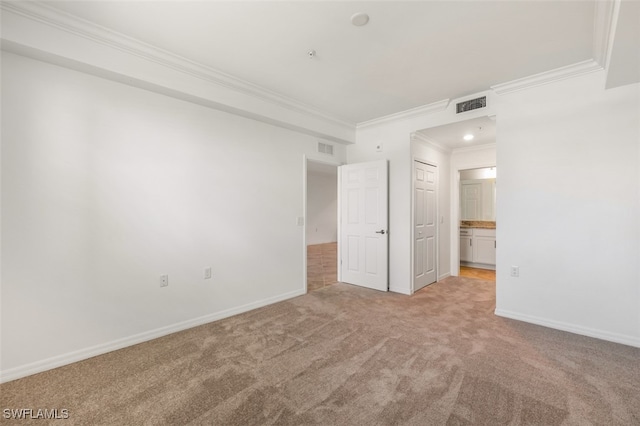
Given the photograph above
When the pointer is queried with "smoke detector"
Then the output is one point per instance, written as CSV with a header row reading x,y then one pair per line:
x,y
360,19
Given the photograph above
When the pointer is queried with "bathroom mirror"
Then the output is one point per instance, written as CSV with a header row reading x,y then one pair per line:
x,y
478,194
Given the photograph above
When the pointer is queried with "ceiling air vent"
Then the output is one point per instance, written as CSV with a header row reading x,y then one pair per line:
x,y
471,104
325,148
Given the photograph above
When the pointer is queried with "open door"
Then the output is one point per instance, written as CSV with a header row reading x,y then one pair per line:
x,y
364,248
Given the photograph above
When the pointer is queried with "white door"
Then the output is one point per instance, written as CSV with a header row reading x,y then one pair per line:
x,y
363,225
424,218
471,201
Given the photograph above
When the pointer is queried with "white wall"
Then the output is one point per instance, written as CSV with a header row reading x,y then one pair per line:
x,y
395,136
568,161
322,208
105,187
396,149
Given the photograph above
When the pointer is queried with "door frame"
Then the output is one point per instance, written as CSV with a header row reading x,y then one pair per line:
x,y
412,218
455,211
305,160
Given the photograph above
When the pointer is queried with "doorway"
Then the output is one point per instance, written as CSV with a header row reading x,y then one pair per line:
x,y
457,146
477,189
321,229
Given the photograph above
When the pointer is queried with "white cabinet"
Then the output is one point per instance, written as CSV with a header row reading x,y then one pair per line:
x,y
478,245
466,247
484,246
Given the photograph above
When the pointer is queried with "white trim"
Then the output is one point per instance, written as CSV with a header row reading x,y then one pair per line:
x,y
48,15
443,276
571,328
410,113
304,227
339,237
486,266
574,70
474,148
603,30
82,354
400,290
433,144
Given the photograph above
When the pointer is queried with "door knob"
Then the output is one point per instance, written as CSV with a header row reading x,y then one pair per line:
x,y
380,232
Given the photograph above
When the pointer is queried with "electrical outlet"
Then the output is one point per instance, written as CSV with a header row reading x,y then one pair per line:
x,y
515,271
164,280
207,273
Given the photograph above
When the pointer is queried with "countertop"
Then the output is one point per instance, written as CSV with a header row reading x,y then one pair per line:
x,y
484,224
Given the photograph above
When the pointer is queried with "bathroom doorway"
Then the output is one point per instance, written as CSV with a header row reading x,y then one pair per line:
x,y
477,189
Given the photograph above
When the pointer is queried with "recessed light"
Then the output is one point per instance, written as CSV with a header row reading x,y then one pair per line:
x,y
360,19
468,137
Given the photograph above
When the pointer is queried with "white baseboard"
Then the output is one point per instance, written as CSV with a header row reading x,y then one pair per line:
x,y
478,265
408,291
82,354
571,328
443,276
401,290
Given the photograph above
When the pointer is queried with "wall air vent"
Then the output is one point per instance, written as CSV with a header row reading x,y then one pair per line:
x,y
325,148
471,104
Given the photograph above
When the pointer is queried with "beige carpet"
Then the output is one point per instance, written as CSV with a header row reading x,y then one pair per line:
x,y
344,355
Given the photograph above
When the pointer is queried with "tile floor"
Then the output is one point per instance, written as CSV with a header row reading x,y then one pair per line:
x,y
322,265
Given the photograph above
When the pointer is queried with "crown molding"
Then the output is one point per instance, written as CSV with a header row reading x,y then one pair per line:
x,y
410,113
603,30
49,15
433,144
475,148
574,70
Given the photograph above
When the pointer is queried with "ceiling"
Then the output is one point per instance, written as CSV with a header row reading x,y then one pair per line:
x,y
451,136
410,54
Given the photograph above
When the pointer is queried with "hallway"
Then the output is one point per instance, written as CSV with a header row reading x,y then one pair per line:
x,y
322,265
